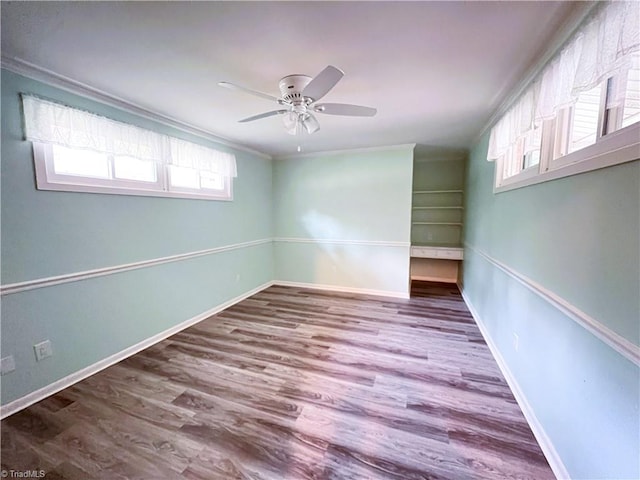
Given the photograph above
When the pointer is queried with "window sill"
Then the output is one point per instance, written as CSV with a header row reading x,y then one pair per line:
x,y
63,187
614,149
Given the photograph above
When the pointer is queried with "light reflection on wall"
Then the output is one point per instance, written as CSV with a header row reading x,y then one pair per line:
x,y
340,259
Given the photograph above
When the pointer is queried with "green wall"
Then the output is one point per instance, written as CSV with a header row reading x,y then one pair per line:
x,y
361,200
48,233
577,237
340,220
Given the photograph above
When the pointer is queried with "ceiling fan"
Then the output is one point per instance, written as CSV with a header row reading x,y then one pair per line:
x,y
298,96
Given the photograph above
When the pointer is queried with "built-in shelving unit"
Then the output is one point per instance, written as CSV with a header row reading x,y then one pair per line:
x,y
436,217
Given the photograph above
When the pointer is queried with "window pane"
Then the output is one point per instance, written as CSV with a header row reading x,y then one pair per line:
x,y
211,181
584,124
631,111
129,168
531,159
84,163
184,177
532,146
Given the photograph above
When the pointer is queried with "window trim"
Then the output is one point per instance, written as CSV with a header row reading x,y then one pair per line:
x,y
47,179
577,93
615,148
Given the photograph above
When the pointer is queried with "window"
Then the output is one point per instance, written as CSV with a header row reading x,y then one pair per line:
x,y
82,152
582,128
523,158
582,111
190,179
623,98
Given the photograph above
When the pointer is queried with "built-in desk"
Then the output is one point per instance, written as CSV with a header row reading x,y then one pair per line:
x,y
446,253
435,263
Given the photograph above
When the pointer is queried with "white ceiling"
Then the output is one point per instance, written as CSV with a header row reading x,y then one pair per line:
x,y
436,71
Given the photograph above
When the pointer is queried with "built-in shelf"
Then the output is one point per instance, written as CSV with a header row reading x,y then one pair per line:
x,y
454,224
436,191
437,208
437,245
437,214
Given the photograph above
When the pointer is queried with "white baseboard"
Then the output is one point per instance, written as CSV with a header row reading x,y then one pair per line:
x,y
552,456
340,288
42,393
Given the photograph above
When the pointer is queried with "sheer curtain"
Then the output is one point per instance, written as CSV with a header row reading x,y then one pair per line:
x,y
191,155
53,123
604,45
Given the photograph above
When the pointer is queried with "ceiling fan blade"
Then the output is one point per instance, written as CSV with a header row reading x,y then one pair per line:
x,y
322,83
345,109
233,86
262,115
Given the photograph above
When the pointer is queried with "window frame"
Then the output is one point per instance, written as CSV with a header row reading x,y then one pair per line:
x,y
610,148
615,148
48,179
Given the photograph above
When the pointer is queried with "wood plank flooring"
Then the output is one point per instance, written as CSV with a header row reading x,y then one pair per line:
x,y
292,384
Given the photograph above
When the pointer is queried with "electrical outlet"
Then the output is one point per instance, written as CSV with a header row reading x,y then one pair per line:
x,y
516,341
7,364
43,350
237,277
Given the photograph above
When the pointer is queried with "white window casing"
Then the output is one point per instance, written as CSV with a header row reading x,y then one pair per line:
x,y
123,147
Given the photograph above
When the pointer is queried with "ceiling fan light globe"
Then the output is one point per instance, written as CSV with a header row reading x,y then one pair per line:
x,y
310,124
290,120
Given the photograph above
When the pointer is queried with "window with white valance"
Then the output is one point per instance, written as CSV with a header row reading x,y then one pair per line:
x,y
76,150
584,104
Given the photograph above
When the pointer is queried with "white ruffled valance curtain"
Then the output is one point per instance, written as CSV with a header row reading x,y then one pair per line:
x,y
192,155
604,45
50,122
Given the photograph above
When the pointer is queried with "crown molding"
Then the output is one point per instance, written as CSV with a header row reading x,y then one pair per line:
x,y
405,146
573,21
49,77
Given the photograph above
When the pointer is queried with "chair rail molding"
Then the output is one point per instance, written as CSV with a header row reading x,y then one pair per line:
x,y
333,241
11,288
614,340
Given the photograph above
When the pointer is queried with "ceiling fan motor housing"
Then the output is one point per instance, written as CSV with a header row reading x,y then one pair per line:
x,y
291,87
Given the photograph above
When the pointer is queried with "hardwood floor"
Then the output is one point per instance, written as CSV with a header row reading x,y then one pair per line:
x,y
292,384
